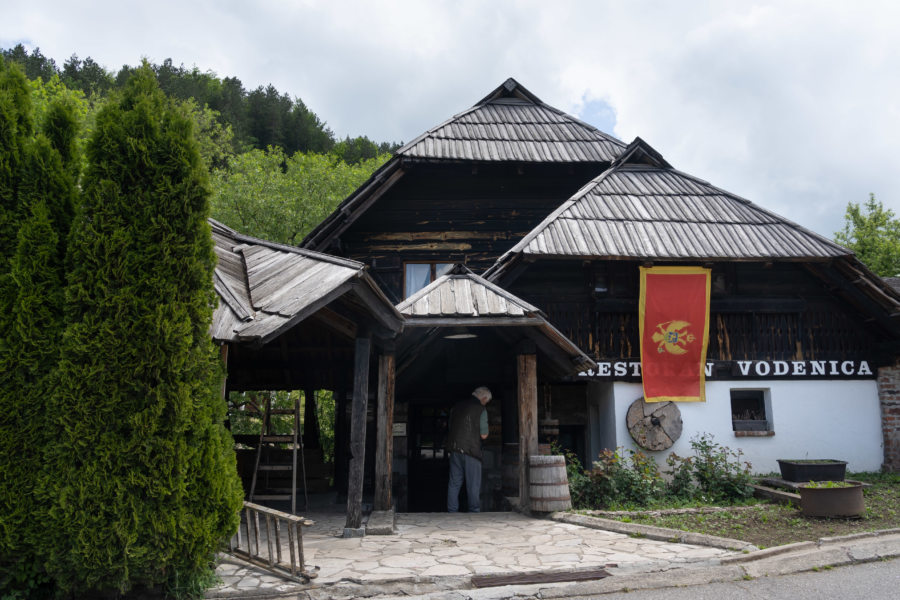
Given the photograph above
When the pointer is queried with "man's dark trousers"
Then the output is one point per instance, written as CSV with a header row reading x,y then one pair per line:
x,y
464,466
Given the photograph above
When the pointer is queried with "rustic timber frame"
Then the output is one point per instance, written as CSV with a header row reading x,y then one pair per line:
x,y
290,319
553,214
461,299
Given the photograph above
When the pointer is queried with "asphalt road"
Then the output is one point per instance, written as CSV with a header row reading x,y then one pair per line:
x,y
869,581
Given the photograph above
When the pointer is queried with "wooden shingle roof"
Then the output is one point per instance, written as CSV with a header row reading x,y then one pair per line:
x,y
642,208
461,298
463,294
512,124
508,125
265,288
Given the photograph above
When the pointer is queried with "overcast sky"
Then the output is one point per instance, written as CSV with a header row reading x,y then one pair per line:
x,y
793,105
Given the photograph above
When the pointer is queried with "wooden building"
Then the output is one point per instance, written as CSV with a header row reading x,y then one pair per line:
x,y
294,319
554,217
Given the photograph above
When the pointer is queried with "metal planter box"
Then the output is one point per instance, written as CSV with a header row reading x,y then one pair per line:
x,y
832,502
812,470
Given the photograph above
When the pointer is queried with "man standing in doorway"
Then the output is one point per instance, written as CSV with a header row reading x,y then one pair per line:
x,y
468,427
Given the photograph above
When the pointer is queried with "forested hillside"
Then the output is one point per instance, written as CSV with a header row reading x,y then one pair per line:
x,y
275,167
258,118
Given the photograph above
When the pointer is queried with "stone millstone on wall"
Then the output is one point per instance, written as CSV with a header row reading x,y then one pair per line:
x,y
654,426
889,397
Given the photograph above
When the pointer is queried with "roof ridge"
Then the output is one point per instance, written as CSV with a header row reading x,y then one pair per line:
x,y
585,124
457,273
426,133
555,214
249,239
559,215
638,145
507,89
750,204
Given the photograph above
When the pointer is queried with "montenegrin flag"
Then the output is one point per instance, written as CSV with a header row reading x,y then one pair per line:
x,y
674,324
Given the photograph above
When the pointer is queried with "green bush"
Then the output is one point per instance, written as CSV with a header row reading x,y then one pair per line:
x,y
143,472
720,472
618,479
632,480
32,322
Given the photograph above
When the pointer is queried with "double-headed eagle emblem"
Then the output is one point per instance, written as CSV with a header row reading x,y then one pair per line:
x,y
672,337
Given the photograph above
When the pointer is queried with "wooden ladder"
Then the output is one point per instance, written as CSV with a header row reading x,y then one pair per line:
x,y
268,442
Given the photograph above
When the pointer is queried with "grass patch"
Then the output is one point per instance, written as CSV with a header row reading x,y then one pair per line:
x,y
767,525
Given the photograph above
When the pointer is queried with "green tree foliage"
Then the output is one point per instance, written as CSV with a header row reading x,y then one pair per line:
x,y
258,118
144,471
354,151
873,233
16,127
54,105
35,64
280,198
215,139
28,354
276,120
86,75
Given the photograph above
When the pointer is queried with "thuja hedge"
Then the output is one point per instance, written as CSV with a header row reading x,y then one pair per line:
x,y
143,473
39,192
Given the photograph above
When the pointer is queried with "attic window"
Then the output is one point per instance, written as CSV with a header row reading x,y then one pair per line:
x,y
418,275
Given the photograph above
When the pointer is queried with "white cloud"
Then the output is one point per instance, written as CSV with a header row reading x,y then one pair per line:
x,y
791,104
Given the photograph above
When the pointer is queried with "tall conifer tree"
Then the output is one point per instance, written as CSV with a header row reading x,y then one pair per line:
x,y
44,193
146,479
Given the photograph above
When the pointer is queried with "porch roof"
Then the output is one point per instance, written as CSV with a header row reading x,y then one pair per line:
x,y
265,288
462,299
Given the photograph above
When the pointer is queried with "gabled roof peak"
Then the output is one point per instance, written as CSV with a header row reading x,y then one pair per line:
x,y
510,89
642,153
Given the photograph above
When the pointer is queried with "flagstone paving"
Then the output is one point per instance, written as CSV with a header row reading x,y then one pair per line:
x,y
428,546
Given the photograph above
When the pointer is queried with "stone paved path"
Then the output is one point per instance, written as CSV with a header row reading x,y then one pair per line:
x,y
430,546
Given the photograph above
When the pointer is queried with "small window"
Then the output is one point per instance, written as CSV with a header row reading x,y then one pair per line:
x,y
418,275
750,410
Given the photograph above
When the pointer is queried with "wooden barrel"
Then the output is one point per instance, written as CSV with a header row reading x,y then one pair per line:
x,y
548,484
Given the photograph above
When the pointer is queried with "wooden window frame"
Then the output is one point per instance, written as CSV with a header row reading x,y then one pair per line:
x,y
432,273
742,428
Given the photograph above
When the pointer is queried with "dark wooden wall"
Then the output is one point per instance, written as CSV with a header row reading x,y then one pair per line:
x,y
778,311
457,213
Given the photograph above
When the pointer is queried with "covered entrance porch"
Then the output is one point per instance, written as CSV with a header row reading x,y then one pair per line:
x,y
461,332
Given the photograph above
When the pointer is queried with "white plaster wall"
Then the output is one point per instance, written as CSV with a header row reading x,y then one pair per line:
x,y
839,419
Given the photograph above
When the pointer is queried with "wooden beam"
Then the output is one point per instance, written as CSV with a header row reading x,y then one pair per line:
x,y
311,437
223,352
341,460
384,446
336,322
528,434
442,236
430,246
358,432
471,321
378,305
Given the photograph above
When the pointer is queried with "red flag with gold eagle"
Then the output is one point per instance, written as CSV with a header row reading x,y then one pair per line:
x,y
674,324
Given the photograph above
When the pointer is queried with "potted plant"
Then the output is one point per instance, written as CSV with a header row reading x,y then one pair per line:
x,y
821,469
832,498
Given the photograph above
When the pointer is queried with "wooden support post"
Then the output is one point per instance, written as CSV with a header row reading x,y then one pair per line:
x,y
528,434
384,447
223,352
358,433
341,461
310,420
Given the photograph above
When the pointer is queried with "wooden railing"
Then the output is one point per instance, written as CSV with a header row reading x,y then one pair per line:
x,y
271,530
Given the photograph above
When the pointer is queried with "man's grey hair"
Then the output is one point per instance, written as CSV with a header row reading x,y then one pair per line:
x,y
482,392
